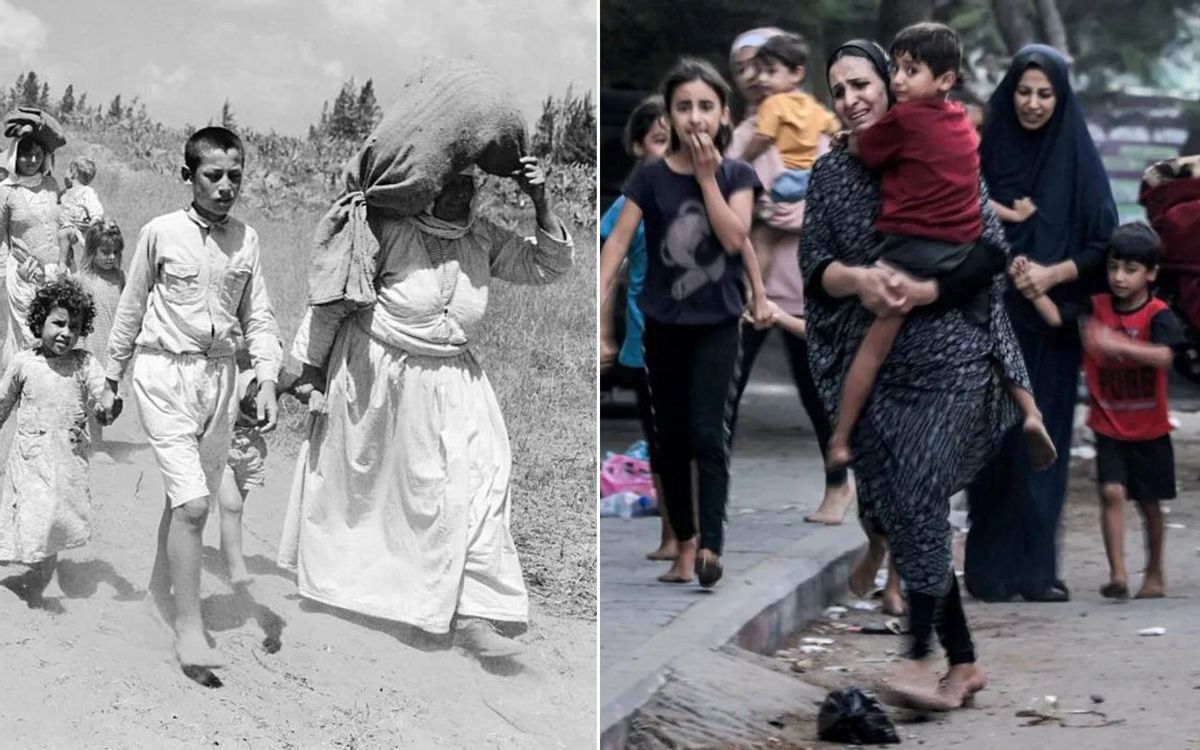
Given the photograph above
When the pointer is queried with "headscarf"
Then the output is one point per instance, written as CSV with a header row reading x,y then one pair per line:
x,y
1057,166
752,38
875,54
30,181
450,114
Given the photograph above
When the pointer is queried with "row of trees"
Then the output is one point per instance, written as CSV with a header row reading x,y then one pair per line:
x,y
565,132
1107,39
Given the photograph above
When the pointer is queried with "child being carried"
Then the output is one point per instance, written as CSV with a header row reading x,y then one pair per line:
x,y
926,150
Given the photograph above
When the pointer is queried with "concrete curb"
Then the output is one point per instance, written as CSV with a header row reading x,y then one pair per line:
x,y
755,610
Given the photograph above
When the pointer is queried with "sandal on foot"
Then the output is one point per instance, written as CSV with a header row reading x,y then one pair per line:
x,y
708,569
1114,590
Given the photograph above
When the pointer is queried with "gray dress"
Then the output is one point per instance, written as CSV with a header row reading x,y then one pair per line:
x,y
939,407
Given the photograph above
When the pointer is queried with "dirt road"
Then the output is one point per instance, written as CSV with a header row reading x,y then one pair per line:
x,y
101,674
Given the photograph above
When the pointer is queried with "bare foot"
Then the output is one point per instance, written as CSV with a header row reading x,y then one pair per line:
x,y
238,576
893,601
961,683
684,564
665,551
913,684
1041,448
834,504
193,651
862,576
1152,588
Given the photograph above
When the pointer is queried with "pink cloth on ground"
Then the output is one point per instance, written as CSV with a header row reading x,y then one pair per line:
x,y
784,284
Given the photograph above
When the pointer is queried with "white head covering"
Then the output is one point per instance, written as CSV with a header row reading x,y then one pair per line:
x,y
31,181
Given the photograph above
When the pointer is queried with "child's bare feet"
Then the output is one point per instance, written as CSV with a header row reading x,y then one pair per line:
x,y
193,651
238,576
666,551
834,504
1152,587
684,564
1041,448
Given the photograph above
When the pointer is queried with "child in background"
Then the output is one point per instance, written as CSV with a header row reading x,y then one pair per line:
x,y
927,152
788,118
245,465
101,275
195,287
1129,342
646,139
80,207
53,386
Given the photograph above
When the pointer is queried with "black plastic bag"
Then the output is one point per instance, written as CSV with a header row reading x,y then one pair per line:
x,y
849,715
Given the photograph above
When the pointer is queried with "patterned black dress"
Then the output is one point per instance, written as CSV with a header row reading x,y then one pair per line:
x,y
939,407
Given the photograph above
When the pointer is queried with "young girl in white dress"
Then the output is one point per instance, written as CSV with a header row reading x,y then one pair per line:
x,y
45,504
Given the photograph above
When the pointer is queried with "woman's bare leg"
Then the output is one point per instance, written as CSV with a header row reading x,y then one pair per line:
x,y
860,380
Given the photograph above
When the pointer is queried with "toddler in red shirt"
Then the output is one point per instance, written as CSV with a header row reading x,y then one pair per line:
x,y
927,153
1129,341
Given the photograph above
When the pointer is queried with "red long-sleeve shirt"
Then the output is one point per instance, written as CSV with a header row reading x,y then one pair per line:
x,y
927,154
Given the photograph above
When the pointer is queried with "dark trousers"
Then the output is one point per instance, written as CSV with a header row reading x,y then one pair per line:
x,y
927,612
1012,547
797,351
691,372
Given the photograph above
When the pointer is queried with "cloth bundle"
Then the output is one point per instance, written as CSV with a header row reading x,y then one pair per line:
x,y
448,116
37,125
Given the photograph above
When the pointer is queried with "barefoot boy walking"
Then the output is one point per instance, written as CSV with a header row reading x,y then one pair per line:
x,y
195,284
1129,342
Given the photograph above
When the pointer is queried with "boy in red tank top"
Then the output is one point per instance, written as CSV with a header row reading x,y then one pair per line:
x,y
1129,342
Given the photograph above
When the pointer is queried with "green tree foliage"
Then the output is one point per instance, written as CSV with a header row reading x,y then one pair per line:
x,y
115,110
31,90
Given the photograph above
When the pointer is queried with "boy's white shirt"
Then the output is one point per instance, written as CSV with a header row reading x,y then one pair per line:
x,y
193,286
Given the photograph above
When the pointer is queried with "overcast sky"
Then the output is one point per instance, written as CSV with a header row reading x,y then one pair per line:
x,y
278,60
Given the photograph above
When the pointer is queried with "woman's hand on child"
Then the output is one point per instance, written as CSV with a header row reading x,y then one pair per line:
x,y
1034,279
761,311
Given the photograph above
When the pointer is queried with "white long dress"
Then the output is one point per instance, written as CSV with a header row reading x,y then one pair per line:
x,y
32,217
400,504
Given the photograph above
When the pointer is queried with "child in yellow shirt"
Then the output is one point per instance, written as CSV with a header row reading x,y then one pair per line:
x,y
788,118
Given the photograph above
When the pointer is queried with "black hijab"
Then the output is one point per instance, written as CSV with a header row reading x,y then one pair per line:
x,y
874,54
1056,165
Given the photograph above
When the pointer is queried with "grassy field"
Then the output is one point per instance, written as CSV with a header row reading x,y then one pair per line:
x,y
538,347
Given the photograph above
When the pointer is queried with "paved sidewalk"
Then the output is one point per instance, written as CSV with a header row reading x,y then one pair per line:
x,y
779,570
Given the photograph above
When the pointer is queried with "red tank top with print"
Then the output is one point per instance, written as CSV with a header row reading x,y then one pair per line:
x,y
1128,399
